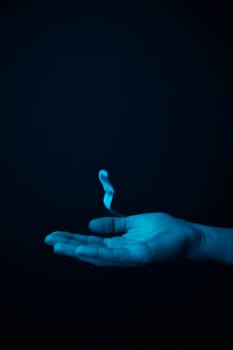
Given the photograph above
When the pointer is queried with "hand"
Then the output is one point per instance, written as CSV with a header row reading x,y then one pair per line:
x,y
145,238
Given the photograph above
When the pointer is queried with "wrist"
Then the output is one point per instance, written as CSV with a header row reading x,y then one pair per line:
x,y
214,243
206,246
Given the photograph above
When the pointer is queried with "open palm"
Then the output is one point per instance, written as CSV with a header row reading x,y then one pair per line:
x,y
144,238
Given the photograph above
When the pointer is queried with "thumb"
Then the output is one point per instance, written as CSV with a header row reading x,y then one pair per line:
x,y
108,225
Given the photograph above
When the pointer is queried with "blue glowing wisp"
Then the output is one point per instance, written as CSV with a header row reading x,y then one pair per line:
x,y
109,191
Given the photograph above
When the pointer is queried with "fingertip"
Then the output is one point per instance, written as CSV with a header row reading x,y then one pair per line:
x,y
91,225
98,225
48,239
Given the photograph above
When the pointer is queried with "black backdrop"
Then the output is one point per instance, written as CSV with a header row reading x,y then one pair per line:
x,y
142,89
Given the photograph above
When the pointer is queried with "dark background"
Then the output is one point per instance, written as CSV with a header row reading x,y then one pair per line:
x,y
144,90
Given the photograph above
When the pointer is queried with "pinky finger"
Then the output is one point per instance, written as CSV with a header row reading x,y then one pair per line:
x,y
95,262
98,262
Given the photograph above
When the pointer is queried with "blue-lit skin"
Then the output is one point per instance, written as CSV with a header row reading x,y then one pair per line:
x,y
145,238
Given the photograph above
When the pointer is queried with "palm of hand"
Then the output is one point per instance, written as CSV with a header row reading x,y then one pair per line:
x,y
146,238
156,236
